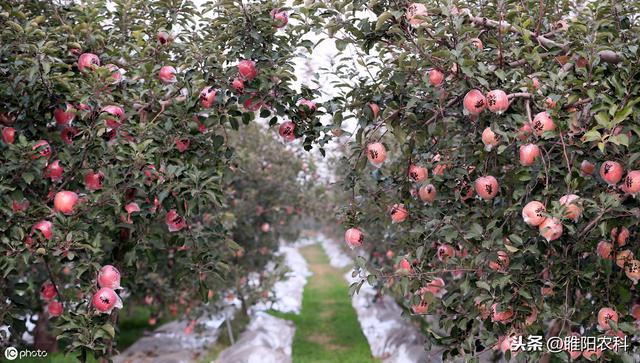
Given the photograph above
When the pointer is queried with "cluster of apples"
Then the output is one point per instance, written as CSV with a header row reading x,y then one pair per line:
x,y
65,201
623,258
48,293
497,101
611,172
534,214
487,187
106,299
436,286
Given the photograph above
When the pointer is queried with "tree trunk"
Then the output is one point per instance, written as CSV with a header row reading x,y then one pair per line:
x,y
42,337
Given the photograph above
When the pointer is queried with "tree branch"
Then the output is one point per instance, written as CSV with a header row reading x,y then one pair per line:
x,y
592,224
520,95
503,25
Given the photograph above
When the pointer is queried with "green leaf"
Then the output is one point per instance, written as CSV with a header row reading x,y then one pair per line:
x,y
382,19
475,231
483,285
591,135
404,283
108,328
515,239
622,115
511,248
603,119
620,139
372,280
217,141
27,177
525,294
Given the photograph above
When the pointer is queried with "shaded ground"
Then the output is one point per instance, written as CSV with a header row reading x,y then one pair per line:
x,y
327,327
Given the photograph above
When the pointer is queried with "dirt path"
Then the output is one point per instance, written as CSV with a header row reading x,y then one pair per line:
x,y
327,327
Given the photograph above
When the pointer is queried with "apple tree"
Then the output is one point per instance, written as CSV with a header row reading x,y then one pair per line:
x,y
116,120
493,168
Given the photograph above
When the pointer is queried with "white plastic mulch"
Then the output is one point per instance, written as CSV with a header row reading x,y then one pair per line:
x,y
169,343
337,257
267,339
288,292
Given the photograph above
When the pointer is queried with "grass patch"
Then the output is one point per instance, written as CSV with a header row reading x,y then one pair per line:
x,y
327,329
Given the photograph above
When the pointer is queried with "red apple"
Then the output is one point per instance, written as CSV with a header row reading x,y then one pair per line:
x,y
375,109
48,291
65,201
88,61
116,74
182,144
93,181
8,135
116,111
487,187
287,131
174,221
542,122
42,148
528,154
105,300
280,18
354,237
435,77
207,97
44,227
306,107
54,171
168,74
417,173
376,153
497,101
611,172
109,276
64,116
416,12
247,69
67,134
164,37
55,309
474,102
238,85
